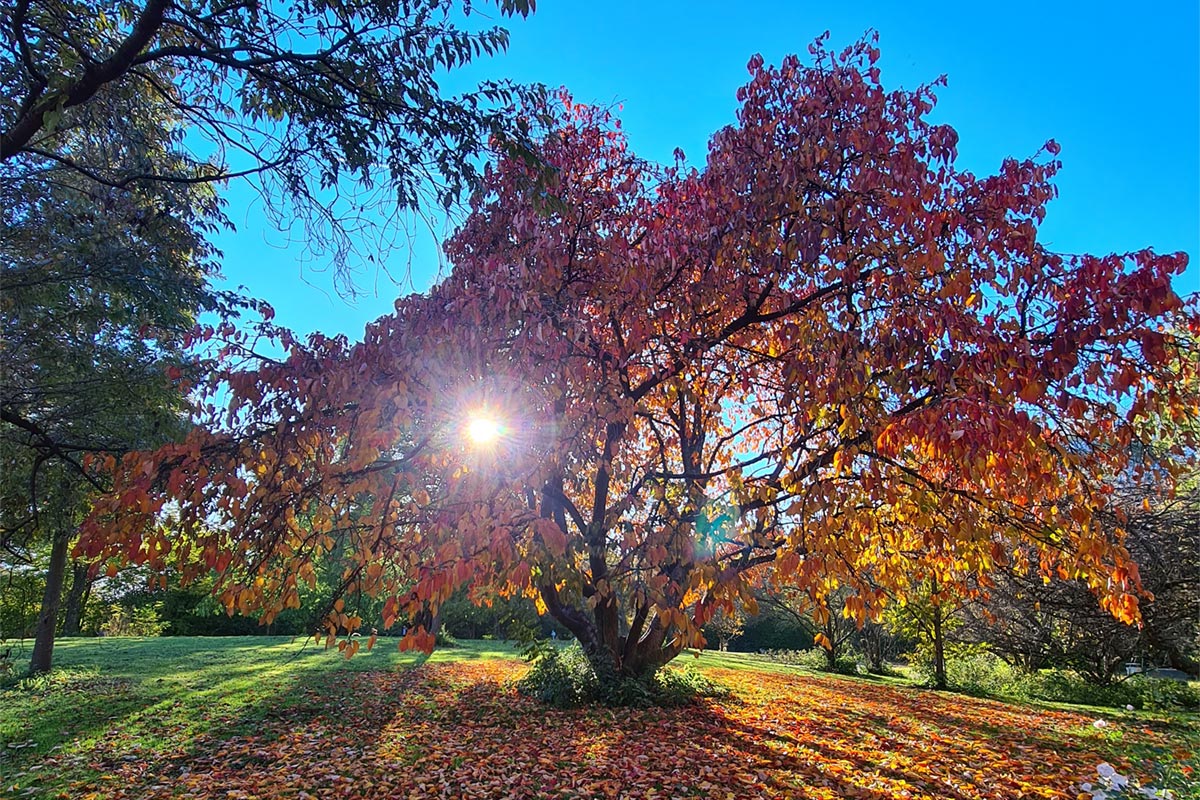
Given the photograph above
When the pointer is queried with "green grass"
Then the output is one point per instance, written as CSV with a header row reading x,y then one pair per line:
x,y
144,699
151,694
753,661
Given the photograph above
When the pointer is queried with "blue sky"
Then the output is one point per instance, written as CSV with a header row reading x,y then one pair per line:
x,y
1116,84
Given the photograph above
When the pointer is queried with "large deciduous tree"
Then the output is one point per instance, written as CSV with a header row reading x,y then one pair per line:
x,y
100,290
829,358
332,107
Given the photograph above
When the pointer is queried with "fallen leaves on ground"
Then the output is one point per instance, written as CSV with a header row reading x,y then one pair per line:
x,y
459,730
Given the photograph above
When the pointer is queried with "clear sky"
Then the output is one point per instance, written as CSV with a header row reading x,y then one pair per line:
x,y
1116,84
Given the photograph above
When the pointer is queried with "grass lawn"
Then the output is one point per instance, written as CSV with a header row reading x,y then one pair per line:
x,y
267,717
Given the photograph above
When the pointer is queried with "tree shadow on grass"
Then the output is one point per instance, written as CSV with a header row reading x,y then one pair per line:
x,y
127,706
834,739
145,745
459,729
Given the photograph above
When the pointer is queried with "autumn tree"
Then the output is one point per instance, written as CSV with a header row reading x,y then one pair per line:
x,y
830,356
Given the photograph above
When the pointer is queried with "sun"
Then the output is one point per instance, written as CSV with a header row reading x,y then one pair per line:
x,y
484,430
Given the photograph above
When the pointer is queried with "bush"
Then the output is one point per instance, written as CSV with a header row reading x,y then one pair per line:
x,y
970,669
846,664
1062,686
1139,691
564,678
139,621
797,658
1161,694
678,686
975,671
980,673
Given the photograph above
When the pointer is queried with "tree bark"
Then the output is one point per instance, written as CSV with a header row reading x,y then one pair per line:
x,y
76,598
147,26
43,643
939,649
834,650
637,654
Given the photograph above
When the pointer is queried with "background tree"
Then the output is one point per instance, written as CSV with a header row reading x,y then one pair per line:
x,y
1034,624
830,355
725,626
824,617
771,629
929,618
100,292
879,646
330,107
829,624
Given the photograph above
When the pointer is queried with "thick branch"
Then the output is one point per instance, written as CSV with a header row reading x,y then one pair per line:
x,y
15,139
48,443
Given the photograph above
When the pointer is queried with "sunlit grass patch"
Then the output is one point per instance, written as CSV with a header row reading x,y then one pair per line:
x,y
265,718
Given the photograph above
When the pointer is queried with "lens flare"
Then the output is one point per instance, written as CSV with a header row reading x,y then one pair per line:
x,y
484,430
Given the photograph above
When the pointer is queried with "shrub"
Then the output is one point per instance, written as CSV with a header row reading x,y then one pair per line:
x,y
564,678
981,673
970,669
798,658
1062,686
678,686
138,621
1139,691
1161,694
846,664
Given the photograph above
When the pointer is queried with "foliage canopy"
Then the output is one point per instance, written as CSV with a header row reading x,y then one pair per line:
x,y
829,358
331,107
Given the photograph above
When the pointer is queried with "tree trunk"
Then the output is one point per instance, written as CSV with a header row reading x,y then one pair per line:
x,y
835,646
637,654
431,622
873,646
939,649
81,586
43,642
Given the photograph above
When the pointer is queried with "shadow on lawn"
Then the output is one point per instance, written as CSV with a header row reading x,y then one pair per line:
x,y
443,728
812,739
116,709
142,744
